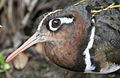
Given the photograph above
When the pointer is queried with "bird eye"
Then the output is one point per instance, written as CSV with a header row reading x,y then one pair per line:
x,y
55,24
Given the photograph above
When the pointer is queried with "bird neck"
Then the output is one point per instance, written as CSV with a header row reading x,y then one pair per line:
x,y
66,53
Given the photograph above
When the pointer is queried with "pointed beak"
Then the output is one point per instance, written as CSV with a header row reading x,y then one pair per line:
x,y
31,41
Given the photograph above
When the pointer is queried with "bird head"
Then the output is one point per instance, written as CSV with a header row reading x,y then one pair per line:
x,y
64,32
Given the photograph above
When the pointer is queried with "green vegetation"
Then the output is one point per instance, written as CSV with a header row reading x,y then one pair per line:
x,y
3,65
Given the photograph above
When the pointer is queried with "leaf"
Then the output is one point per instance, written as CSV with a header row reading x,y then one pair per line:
x,y
1,59
20,61
40,48
3,65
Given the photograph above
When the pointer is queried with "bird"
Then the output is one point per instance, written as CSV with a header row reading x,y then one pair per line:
x,y
76,41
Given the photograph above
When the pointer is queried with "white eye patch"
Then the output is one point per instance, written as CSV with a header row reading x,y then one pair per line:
x,y
55,24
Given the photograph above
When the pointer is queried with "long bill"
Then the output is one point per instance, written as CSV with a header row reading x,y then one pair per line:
x,y
31,41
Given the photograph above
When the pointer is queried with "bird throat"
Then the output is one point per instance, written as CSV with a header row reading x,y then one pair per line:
x,y
62,53
69,55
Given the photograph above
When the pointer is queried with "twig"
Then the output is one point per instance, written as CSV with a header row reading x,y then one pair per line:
x,y
103,9
31,8
2,2
10,16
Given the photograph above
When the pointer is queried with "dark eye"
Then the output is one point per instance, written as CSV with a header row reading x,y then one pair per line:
x,y
56,23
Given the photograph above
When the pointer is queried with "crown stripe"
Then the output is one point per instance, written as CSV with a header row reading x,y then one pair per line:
x,y
40,24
